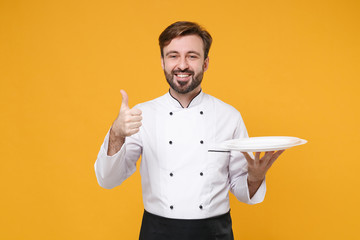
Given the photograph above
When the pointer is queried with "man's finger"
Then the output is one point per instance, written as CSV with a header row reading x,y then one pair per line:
x,y
267,156
278,153
125,99
135,125
274,157
136,118
133,131
247,156
257,156
135,112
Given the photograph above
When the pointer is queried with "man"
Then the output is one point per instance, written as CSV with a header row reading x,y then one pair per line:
x,y
185,178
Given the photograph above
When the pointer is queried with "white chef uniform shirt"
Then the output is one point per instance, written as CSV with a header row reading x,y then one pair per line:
x,y
181,177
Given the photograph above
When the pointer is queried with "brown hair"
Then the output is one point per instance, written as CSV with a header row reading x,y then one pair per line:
x,y
183,28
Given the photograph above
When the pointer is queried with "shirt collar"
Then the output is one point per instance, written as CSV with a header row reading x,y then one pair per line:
x,y
194,102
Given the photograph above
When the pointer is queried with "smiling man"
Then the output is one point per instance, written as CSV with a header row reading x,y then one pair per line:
x,y
185,180
184,64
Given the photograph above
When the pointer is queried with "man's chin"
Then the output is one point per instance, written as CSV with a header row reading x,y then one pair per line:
x,y
181,90
182,84
182,87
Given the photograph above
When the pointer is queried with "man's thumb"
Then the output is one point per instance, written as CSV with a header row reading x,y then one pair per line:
x,y
125,99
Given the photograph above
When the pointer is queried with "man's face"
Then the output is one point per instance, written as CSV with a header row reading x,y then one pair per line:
x,y
184,63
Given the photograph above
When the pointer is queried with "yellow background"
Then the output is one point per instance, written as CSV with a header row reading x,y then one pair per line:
x,y
290,67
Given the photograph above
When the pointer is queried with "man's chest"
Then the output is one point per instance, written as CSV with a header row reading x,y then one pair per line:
x,y
179,138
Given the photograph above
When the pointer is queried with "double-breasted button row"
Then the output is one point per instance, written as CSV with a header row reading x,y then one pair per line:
x,y
200,206
171,142
201,113
172,174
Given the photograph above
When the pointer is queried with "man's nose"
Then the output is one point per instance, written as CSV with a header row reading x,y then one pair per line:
x,y
183,64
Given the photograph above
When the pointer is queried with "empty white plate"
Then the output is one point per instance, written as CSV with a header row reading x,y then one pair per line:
x,y
261,144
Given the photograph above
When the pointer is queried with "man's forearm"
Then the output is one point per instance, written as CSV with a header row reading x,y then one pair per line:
x,y
115,143
253,187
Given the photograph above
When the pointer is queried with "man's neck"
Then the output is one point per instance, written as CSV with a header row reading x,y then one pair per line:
x,y
185,99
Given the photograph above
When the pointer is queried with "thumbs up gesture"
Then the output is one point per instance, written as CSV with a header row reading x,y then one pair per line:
x,y
128,121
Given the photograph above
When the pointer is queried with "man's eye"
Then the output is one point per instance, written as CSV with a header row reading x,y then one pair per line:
x,y
193,56
172,56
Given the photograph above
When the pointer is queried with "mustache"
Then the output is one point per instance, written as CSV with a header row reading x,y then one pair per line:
x,y
182,71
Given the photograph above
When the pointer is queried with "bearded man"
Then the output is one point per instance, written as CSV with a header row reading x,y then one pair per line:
x,y
185,179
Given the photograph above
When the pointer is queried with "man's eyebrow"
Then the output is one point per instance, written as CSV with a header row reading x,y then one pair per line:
x,y
191,52
194,52
171,52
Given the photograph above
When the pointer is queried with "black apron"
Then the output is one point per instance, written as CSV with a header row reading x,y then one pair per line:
x,y
154,227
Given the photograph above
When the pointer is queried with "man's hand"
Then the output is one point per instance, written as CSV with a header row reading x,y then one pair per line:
x,y
258,167
127,123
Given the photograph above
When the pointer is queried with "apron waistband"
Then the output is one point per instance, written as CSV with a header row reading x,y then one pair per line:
x,y
156,227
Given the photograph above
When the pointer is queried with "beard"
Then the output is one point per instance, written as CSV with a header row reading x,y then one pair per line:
x,y
194,82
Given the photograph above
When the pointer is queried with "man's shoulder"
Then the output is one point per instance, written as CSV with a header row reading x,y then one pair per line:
x,y
153,103
222,106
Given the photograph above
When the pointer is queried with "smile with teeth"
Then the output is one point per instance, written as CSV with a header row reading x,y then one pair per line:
x,y
182,79
182,75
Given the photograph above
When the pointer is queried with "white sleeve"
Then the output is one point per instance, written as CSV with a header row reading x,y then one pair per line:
x,y
238,172
111,171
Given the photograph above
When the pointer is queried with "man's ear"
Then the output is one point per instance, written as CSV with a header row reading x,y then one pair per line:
x,y
206,63
162,63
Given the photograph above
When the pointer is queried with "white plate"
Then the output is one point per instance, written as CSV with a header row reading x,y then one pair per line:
x,y
261,144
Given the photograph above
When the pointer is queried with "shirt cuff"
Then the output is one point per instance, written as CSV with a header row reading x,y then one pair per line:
x,y
109,168
242,191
